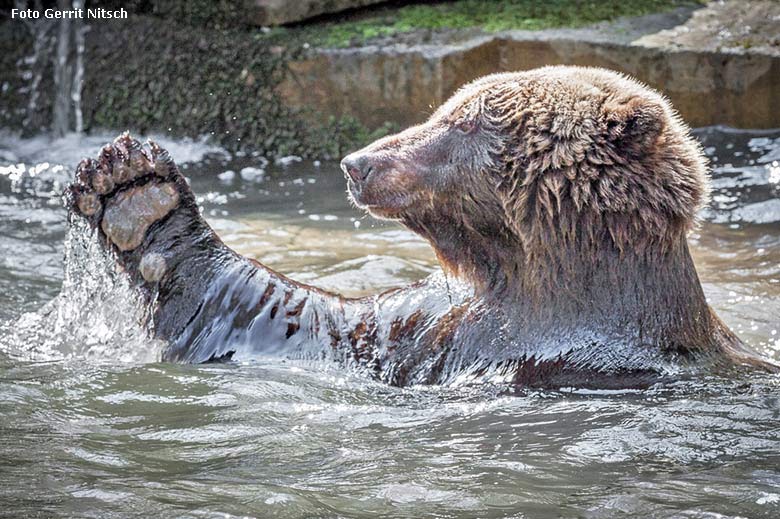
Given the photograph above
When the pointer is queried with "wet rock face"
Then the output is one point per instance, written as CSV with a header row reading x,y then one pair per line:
x,y
280,12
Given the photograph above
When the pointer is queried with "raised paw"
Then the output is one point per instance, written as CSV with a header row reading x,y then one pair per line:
x,y
127,189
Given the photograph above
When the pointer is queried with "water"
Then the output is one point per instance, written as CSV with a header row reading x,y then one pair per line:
x,y
87,432
36,65
62,43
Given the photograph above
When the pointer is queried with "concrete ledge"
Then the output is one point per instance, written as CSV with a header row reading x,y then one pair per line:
x,y
403,82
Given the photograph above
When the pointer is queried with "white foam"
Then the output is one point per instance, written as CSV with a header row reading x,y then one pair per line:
x,y
71,148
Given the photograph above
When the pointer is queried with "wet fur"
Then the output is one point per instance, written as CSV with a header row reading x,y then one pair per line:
x,y
558,202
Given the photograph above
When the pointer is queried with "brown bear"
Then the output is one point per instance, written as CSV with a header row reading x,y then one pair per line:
x,y
557,200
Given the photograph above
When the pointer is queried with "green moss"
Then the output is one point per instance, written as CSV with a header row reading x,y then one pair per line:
x,y
488,15
148,75
339,136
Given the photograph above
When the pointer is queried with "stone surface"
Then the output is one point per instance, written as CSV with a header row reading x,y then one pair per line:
x,y
734,26
403,81
280,12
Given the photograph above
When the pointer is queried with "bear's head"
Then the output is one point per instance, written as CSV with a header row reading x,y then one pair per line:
x,y
522,177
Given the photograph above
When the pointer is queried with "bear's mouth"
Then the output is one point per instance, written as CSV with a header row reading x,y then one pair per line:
x,y
387,205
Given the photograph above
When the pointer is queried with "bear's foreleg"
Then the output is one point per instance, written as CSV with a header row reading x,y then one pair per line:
x,y
208,302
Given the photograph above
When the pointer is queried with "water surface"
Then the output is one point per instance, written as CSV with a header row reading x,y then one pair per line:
x,y
92,427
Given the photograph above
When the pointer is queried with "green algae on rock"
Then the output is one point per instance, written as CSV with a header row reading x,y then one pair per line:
x,y
490,16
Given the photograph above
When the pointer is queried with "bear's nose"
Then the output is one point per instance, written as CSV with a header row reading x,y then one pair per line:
x,y
357,167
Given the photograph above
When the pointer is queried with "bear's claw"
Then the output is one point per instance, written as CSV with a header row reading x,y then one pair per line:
x,y
126,190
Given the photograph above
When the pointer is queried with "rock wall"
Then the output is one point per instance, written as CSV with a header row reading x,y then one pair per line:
x,y
175,72
401,82
147,74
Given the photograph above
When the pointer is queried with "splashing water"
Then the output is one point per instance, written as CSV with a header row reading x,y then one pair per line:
x,y
96,315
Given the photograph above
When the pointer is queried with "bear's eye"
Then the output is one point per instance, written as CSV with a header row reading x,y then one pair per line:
x,y
465,126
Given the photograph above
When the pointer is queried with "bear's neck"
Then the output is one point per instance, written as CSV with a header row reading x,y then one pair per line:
x,y
652,295
481,254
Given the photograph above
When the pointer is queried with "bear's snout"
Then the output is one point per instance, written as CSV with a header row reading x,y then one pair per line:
x,y
357,168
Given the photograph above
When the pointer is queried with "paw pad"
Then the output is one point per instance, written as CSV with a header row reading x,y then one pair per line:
x,y
152,267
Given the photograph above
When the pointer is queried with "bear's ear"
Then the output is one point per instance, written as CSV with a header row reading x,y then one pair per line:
x,y
633,123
